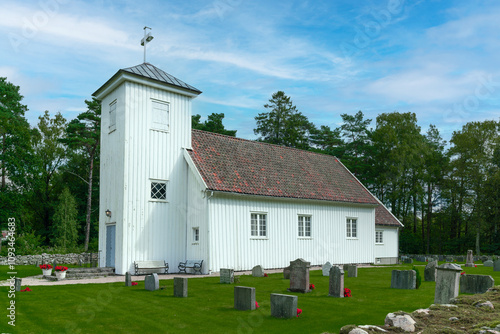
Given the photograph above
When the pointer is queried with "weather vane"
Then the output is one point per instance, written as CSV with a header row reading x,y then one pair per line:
x,y
147,38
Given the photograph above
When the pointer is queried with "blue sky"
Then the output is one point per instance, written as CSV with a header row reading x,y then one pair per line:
x,y
438,59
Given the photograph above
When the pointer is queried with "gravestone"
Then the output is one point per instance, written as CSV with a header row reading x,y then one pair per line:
x,y
441,257
404,279
257,271
447,282
244,298
475,283
420,258
17,284
484,258
151,282
496,265
180,287
430,272
408,260
345,267
449,258
227,276
470,259
336,284
299,276
326,269
286,273
128,279
283,306
460,259
352,270
488,263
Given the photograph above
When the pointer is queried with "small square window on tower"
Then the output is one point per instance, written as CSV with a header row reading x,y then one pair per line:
x,y
159,190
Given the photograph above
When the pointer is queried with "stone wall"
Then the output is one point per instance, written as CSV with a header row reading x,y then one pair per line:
x,y
72,258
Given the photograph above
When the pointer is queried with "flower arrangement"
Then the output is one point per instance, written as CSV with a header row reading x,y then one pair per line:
x,y
265,275
27,289
45,266
311,286
256,305
462,273
347,292
60,268
134,283
299,312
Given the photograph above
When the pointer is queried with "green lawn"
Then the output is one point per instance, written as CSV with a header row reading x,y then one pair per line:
x,y
114,308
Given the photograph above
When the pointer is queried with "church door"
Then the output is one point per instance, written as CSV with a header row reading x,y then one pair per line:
x,y
110,245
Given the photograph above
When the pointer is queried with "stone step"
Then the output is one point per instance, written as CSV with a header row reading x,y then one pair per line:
x,y
95,270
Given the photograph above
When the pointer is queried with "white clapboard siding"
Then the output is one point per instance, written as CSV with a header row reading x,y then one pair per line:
x,y
231,245
390,245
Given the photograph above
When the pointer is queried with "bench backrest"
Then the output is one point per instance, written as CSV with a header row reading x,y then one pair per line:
x,y
191,263
150,264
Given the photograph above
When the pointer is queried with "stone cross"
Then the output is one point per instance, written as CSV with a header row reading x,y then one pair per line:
x,y
326,269
283,306
226,276
336,285
257,271
244,298
151,282
180,287
447,281
299,276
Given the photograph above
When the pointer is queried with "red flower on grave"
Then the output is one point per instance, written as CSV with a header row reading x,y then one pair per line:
x,y
256,305
462,273
265,275
299,312
134,283
311,287
60,268
27,289
347,292
45,266
475,265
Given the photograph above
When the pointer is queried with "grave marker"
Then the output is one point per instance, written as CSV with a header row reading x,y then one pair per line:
x,y
447,282
299,276
283,306
151,282
336,283
244,298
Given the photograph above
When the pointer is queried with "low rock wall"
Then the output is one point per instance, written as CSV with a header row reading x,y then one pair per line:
x,y
72,258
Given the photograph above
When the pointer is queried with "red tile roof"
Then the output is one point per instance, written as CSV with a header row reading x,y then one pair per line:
x,y
384,217
230,164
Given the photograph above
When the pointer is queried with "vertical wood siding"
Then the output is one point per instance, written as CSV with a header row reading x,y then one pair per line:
x,y
233,247
390,245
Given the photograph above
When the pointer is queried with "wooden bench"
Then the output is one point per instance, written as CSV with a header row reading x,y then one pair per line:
x,y
150,265
192,264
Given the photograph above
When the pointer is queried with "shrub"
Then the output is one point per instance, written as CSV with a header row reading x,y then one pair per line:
x,y
418,277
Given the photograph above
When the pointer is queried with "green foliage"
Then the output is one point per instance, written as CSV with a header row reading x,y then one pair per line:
x,y
28,243
212,124
418,277
283,124
65,223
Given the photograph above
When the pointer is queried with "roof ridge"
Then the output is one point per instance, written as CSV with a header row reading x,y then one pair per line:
x,y
264,143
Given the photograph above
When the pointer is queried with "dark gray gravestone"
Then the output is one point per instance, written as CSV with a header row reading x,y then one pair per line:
x,y
227,276
470,259
488,263
128,279
180,287
447,282
352,270
244,298
283,306
17,283
151,282
345,267
299,276
326,269
257,271
408,260
475,283
336,283
496,265
403,279
430,272
286,272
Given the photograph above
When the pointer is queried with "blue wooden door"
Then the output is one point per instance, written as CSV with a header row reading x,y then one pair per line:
x,y
110,245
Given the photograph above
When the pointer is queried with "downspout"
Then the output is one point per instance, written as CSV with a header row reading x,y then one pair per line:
x,y
208,229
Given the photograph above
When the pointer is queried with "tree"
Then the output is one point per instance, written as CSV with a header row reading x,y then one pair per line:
x,y
327,140
284,124
65,221
83,134
212,124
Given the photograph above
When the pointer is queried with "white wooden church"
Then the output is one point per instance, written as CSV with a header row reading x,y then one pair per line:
x,y
172,193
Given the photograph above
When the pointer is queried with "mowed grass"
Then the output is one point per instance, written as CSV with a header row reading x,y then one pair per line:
x,y
114,308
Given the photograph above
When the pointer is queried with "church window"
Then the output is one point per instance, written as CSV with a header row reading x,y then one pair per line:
x,y
258,226
196,234
379,237
351,227
159,190
160,115
305,226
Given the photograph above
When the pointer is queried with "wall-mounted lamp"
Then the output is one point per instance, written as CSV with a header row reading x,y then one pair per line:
x,y
108,213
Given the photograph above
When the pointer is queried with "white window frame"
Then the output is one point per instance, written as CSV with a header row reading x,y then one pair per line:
x,y
256,219
112,116
160,126
196,235
379,240
350,222
302,226
161,200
